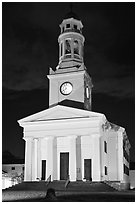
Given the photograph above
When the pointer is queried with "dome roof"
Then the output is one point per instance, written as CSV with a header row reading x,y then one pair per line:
x,y
71,15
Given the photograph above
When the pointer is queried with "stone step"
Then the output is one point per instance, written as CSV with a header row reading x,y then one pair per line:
x,y
30,186
79,186
92,186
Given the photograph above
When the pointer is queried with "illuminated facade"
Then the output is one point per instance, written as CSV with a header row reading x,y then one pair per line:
x,y
69,140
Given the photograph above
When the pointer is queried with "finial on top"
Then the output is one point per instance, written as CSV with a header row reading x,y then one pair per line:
x,y
71,6
71,13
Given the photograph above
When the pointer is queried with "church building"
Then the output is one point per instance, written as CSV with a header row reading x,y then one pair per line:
x,y
68,140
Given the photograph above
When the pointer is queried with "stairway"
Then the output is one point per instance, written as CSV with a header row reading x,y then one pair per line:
x,y
78,186
89,187
27,186
118,185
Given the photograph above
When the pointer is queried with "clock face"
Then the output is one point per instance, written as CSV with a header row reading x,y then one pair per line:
x,y
66,88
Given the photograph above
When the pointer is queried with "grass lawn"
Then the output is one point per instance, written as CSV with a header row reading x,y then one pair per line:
x,y
98,197
39,196
22,195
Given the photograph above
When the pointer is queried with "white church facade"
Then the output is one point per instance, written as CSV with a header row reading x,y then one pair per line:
x,y
69,140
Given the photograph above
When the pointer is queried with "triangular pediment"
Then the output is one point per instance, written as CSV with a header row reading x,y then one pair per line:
x,y
59,113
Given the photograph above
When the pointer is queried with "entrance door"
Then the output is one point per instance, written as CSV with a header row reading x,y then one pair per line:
x,y
64,165
43,170
87,169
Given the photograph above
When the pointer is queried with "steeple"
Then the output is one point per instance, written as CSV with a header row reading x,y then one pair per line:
x,y
70,82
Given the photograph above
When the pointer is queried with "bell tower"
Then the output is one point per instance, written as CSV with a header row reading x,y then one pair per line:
x,y
71,43
70,81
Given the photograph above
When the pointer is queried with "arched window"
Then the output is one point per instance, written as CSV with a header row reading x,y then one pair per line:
x,y
76,47
61,49
67,46
87,92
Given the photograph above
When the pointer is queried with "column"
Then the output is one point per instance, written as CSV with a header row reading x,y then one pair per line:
x,y
120,156
28,159
39,158
72,165
78,158
50,157
36,158
96,175
55,158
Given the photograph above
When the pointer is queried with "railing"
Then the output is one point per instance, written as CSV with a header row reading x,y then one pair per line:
x,y
48,180
67,181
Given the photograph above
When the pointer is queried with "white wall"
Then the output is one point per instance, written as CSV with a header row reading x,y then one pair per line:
x,y
112,152
132,178
113,159
91,150
6,182
8,168
96,159
67,144
120,156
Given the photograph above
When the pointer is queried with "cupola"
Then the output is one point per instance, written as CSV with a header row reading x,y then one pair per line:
x,y
71,42
71,23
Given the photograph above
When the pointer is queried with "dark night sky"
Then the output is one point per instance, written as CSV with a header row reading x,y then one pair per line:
x,y
29,39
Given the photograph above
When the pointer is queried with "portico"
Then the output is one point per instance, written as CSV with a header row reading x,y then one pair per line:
x,y
56,139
